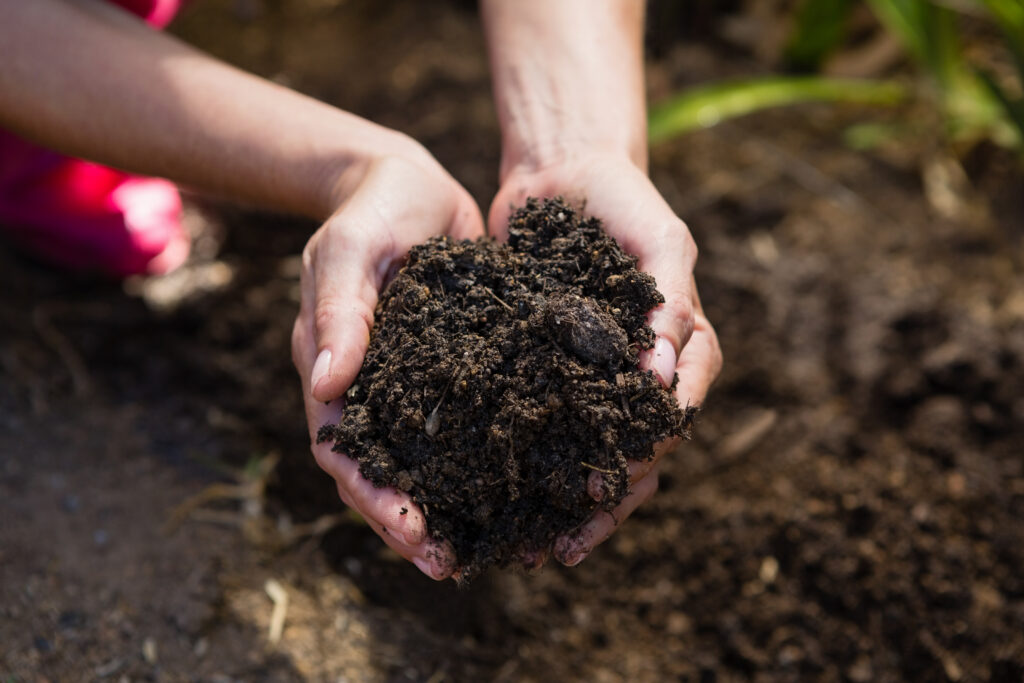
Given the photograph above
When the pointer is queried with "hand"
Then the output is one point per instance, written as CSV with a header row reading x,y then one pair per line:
x,y
398,202
634,213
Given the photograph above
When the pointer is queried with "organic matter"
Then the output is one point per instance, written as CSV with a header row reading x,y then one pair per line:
x,y
500,377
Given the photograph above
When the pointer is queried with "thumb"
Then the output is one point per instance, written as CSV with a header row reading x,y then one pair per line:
x,y
670,258
347,266
347,261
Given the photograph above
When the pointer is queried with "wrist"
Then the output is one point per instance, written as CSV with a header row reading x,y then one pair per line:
x,y
568,81
519,159
341,174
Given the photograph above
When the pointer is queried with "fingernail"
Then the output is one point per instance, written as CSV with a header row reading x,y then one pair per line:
x,y
425,566
569,550
320,369
663,361
574,559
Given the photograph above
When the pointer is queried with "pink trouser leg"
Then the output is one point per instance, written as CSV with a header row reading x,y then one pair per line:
x,y
157,13
81,215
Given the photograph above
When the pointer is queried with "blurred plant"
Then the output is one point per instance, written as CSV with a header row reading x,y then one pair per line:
x,y
972,101
705,106
974,105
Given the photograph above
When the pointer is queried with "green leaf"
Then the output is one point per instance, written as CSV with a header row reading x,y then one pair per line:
x,y
929,33
1009,14
905,18
1014,108
705,106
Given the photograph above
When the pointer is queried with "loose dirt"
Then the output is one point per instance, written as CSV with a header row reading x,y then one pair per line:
x,y
501,377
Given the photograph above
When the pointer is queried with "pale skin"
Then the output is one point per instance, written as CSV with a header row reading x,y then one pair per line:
x,y
571,104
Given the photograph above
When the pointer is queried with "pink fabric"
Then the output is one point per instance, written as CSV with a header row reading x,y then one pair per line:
x,y
158,13
81,215
78,214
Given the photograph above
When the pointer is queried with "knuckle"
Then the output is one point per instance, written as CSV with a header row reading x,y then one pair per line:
x,y
349,235
679,309
326,316
675,238
680,306
330,312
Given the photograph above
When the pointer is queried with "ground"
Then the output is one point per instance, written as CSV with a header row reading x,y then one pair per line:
x,y
850,508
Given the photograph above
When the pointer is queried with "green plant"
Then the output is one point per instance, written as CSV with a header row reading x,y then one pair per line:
x,y
973,102
705,106
1009,15
973,105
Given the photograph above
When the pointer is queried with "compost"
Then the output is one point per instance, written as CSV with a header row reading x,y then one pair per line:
x,y
501,376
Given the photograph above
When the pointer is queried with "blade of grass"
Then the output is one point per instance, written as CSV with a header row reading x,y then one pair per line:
x,y
904,18
705,106
1014,108
929,33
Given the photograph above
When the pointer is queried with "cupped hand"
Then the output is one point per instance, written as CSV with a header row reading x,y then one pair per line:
x,y
615,190
397,202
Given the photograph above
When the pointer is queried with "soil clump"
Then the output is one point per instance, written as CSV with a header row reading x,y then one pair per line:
x,y
500,377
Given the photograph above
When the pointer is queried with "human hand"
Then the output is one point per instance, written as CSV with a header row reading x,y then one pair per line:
x,y
634,213
397,202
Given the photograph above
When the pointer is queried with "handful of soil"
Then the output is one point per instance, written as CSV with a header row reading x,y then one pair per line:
x,y
499,377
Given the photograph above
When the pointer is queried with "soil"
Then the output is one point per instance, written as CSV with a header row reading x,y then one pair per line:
x,y
848,510
501,377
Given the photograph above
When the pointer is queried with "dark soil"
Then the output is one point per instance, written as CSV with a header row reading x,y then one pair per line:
x,y
500,377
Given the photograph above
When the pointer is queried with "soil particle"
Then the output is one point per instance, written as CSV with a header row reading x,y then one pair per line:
x,y
500,376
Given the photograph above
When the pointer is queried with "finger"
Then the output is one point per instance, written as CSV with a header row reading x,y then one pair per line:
x,y
438,562
572,548
435,559
699,363
534,559
345,263
672,321
409,551
388,507
638,469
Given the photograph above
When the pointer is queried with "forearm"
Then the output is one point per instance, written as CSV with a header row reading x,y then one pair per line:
x,y
91,81
568,79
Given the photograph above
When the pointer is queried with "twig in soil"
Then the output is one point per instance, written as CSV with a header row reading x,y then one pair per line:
x,y
496,298
279,597
596,468
60,345
620,382
948,662
749,435
110,668
250,488
433,422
